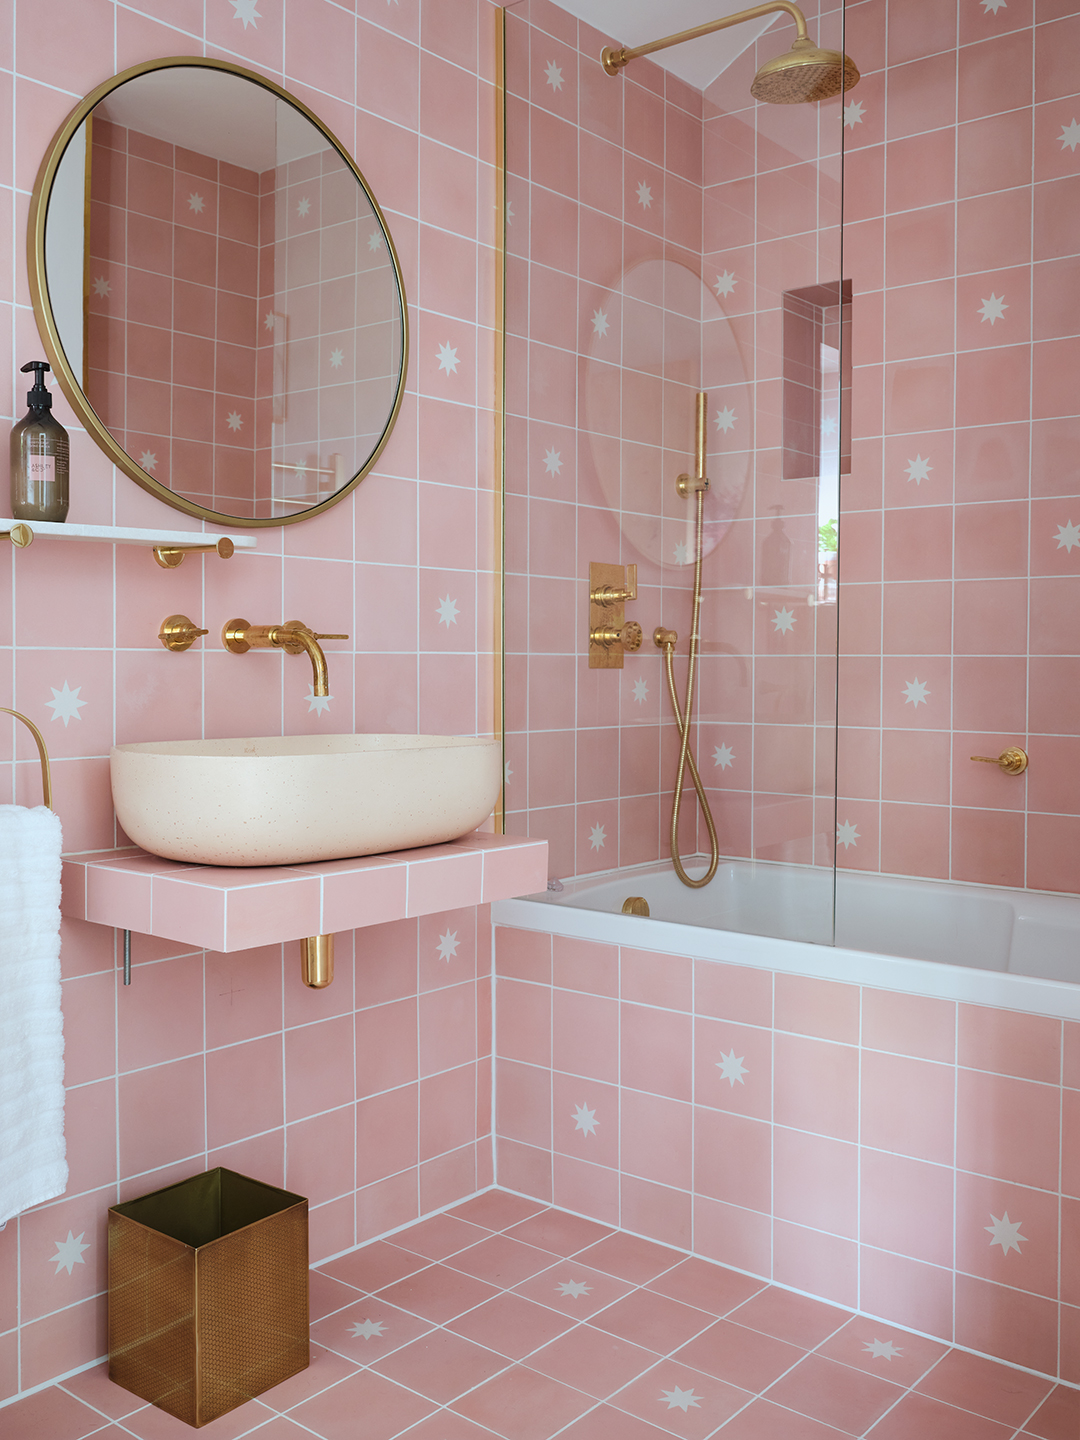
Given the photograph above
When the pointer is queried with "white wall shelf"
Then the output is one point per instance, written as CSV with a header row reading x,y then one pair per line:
x,y
172,543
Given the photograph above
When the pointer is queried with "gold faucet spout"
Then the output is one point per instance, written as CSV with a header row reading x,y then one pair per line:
x,y
294,637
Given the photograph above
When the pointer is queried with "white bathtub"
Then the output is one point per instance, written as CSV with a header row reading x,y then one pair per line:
x,y
1017,949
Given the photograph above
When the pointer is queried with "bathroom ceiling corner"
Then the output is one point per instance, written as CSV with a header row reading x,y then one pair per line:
x,y
636,22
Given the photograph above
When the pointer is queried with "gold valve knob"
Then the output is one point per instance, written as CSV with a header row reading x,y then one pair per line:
x,y
614,595
1013,761
628,635
179,633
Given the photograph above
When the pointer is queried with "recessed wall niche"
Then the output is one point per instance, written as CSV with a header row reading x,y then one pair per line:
x,y
817,380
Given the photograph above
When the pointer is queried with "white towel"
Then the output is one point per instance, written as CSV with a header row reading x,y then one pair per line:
x,y
32,1154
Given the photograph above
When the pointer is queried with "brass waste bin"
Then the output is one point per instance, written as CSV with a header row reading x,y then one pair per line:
x,y
208,1293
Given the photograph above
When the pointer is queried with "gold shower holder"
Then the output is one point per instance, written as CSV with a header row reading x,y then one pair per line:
x,y
1012,761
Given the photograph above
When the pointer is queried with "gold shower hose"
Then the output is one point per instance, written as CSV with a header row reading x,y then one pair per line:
x,y
666,640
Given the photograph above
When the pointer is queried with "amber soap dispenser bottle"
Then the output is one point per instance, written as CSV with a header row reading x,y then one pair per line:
x,y
39,457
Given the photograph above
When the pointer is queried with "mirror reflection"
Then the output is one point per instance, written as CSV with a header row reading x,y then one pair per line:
x,y
231,310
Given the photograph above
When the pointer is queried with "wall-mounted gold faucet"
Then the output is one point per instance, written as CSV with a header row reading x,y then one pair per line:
x,y
610,634
294,637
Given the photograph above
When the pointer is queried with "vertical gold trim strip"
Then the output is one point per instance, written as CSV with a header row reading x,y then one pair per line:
x,y
498,639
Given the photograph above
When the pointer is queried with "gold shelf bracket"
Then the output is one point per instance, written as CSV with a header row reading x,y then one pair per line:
x,y
20,535
170,556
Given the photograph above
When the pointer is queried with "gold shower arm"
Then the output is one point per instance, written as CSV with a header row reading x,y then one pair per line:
x,y
613,60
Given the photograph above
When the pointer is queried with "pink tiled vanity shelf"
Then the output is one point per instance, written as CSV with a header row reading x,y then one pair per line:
x,y
223,908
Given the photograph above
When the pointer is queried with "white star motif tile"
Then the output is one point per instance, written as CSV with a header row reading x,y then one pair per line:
x,y
585,1120
1068,535
1006,1233
337,357
683,1399
245,11
303,207
574,1289
682,553
509,212
881,1349
731,1068
993,309
448,359
554,75
641,691
234,420
597,837
991,7
448,945
916,692
599,323
783,621
268,321
66,704
102,287
1070,136
366,1329
725,419
553,462
317,704
448,612
853,114
918,469
196,203
723,756
644,195
69,1252
148,460
725,283
508,773
847,835
374,241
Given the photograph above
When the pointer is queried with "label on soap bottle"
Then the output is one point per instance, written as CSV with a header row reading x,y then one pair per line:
x,y
41,469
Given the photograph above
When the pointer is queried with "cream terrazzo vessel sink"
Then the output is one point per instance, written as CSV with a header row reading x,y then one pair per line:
x,y
298,799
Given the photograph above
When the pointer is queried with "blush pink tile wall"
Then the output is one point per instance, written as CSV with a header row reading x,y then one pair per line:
x,y
371,1097
958,556
171,316
959,553
909,1157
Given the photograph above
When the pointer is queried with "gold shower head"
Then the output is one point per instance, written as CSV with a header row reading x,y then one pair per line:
x,y
804,73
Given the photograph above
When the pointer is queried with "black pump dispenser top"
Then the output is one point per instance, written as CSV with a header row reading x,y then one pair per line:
x,y
38,398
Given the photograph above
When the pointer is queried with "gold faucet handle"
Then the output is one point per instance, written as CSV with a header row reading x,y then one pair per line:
x,y
179,633
317,636
613,595
1013,761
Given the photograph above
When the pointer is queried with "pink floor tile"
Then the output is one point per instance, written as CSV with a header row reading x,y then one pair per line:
x,y
592,1361
440,1236
706,1286
877,1347
512,1325
96,1389
681,1400
502,1261
762,1420
561,1233
50,1415
1058,1417
441,1365
573,1289
150,1423
795,1318
743,1357
917,1417
496,1210
653,1321
387,1409
326,1369
438,1293
369,1330
374,1266
521,1404
325,1295
606,1423
848,1399
630,1258
994,1391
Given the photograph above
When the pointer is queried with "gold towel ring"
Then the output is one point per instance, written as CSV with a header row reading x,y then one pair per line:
x,y
46,781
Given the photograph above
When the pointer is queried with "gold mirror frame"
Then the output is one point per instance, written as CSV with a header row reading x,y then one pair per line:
x,y
47,328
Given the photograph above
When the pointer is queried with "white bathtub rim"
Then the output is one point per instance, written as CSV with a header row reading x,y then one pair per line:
x,y
1032,996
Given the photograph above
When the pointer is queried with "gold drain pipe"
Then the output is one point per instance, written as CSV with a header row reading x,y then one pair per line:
x,y
317,961
665,640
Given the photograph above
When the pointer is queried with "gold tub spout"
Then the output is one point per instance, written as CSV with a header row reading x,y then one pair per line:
x,y
317,961
294,637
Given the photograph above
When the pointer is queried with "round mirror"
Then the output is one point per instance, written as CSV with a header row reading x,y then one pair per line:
x,y
218,292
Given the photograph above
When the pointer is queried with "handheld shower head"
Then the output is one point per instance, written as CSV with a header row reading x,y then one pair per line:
x,y
804,74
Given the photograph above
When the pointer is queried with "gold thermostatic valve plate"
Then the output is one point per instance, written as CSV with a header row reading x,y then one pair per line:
x,y
610,635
